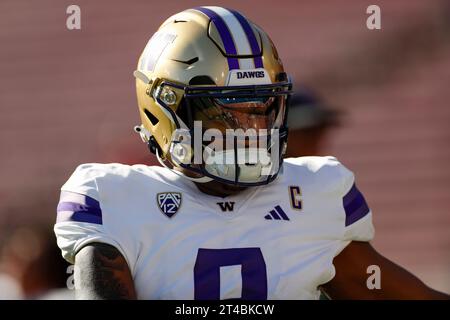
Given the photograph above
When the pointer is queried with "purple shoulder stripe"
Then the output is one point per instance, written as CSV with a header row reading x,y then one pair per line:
x,y
355,206
79,208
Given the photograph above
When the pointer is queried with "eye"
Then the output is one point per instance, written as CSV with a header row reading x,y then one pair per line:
x,y
261,100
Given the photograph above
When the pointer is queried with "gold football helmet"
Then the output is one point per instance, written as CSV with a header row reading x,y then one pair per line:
x,y
206,72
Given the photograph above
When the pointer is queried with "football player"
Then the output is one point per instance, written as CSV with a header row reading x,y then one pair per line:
x,y
250,227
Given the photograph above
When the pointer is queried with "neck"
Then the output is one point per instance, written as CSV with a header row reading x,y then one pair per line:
x,y
218,189
213,188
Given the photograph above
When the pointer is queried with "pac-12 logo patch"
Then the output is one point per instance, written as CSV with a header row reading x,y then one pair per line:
x,y
169,202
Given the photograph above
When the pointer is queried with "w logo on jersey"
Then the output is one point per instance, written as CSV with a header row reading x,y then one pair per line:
x,y
169,202
226,206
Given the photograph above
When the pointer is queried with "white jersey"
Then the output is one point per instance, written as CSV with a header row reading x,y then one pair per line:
x,y
275,241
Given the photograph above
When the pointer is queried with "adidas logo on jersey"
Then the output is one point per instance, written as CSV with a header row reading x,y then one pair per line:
x,y
277,214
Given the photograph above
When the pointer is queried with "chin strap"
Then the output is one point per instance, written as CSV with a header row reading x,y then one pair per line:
x,y
147,137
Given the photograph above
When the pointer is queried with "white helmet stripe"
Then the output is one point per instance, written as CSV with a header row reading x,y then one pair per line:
x,y
237,32
154,49
247,63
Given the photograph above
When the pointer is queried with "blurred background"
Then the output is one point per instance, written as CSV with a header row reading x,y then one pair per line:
x,y
378,100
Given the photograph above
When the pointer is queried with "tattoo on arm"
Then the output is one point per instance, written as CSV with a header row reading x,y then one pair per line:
x,y
101,272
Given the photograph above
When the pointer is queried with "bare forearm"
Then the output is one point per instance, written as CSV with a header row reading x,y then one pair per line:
x,y
351,277
401,284
101,272
395,284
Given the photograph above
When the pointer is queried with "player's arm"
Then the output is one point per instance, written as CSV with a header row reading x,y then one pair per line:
x,y
101,272
350,281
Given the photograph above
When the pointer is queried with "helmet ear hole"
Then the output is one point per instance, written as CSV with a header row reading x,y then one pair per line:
x,y
201,80
282,76
153,120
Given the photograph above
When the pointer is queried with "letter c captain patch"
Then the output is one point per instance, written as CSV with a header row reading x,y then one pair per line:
x,y
169,202
294,195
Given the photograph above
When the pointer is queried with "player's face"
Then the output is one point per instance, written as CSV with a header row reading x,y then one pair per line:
x,y
241,131
236,113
